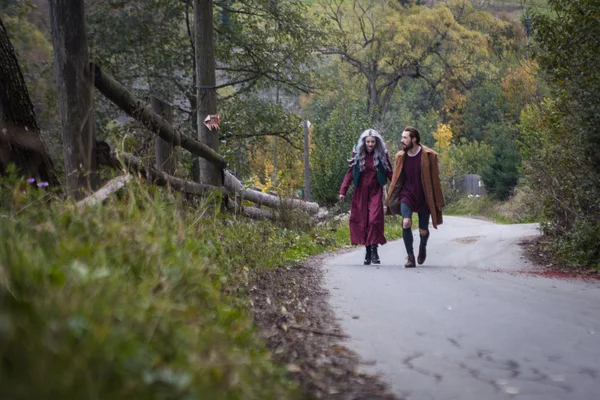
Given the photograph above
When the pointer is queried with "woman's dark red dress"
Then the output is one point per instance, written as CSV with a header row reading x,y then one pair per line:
x,y
366,212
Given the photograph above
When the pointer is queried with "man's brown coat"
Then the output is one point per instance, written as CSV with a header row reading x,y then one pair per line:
x,y
430,178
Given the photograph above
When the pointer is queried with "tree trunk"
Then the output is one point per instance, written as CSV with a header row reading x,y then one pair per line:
x,y
205,84
75,95
20,140
165,151
263,199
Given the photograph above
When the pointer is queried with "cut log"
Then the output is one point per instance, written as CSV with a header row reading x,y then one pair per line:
x,y
101,195
264,199
250,212
136,108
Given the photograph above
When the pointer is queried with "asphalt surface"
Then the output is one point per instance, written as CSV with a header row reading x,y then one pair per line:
x,y
468,324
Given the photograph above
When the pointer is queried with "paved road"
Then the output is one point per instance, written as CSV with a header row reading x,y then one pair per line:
x,y
466,325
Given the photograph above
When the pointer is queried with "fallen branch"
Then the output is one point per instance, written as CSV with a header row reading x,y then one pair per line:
x,y
101,195
264,199
318,331
134,107
251,212
162,179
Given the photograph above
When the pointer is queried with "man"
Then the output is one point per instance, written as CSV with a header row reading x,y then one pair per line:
x,y
416,187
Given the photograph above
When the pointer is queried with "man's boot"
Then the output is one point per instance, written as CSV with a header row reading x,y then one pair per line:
x,y
374,255
422,254
368,256
423,249
410,261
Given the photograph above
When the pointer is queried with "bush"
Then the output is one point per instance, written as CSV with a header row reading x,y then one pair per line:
x,y
564,181
502,174
143,297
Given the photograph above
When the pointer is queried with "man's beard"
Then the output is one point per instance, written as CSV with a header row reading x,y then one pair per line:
x,y
407,147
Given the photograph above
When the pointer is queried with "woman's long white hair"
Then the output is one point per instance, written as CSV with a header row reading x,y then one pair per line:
x,y
379,153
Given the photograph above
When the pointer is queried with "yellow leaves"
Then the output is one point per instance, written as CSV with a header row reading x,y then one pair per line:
x,y
443,137
443,140
453,103
289,174
521,80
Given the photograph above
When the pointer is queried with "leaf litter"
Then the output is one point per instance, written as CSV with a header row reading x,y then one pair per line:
x,y
290,308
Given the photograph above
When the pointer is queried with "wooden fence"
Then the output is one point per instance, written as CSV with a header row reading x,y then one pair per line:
x,y
232,188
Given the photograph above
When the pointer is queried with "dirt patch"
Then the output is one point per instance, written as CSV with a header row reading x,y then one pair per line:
x,y
468,240
291,310
544,264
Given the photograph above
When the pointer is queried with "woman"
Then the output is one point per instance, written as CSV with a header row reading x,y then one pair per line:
x,y
369,170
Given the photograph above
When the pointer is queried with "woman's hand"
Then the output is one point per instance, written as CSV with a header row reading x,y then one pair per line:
x,y
342,197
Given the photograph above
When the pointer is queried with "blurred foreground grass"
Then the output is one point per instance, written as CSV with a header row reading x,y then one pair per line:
x,y
143,297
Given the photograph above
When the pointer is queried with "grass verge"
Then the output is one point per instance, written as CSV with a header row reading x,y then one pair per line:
x,y
144,297
519,209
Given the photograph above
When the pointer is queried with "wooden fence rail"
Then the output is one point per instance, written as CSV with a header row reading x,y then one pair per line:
x,y
137,109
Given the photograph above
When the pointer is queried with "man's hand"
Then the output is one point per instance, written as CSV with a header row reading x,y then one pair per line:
x,y
342,197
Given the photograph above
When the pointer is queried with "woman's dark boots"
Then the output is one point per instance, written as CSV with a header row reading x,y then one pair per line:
x,y
368,255
371,257
374,255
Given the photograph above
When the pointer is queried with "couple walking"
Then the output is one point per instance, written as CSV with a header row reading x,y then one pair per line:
x,y
415,187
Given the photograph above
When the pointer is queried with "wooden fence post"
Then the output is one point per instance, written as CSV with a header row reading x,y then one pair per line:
x,y
75,95
165,151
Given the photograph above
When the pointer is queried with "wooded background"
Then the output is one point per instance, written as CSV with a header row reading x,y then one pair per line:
x,y
493,86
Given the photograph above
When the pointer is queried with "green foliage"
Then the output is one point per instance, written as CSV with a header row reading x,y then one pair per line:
x,y
387,42
522,207
248,123
414,104
560,138
502,174
569,53
334,138
143,297
581,247
483,109
470,157
393,230
256,44
259,45
564,180
265,42
461,159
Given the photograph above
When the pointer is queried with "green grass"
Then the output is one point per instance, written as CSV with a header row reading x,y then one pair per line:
x,y
521,208
393,231
141,298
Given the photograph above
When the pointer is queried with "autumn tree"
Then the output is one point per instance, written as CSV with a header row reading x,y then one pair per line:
x,y
386,42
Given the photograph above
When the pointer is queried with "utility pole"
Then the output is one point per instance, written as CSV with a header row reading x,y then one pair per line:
x,y
205,87
307,191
